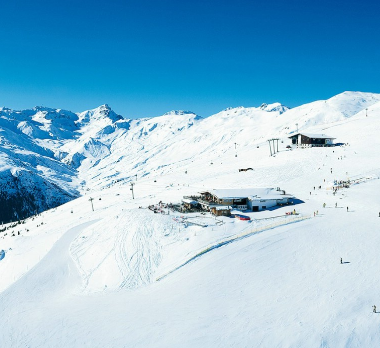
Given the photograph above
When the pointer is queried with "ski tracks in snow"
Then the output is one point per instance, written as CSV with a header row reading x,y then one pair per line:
x,y
132,245
137,252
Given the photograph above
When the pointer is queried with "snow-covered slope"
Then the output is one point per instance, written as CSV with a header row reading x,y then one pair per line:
x,y
164,144
121,275
32,178
39,145
97,148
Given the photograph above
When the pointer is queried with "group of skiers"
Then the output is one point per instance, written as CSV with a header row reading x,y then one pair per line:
x,y
336,206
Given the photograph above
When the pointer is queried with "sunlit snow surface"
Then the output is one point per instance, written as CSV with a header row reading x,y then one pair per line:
x,y
81,278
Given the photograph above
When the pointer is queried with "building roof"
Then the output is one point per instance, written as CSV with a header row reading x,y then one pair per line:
x,y
271,196
252,193
189,201
313,136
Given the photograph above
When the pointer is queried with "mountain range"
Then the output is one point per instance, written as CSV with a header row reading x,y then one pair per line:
x,y
50,156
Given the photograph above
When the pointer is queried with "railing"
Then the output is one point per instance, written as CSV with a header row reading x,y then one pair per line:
x,y
244,234
307,146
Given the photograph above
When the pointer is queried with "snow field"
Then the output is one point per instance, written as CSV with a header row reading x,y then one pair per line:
x,y
252,292
88,278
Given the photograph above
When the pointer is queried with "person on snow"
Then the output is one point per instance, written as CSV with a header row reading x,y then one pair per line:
x,y
341,261
374,309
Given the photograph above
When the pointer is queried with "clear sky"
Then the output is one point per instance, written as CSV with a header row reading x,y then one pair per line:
x,y
144,58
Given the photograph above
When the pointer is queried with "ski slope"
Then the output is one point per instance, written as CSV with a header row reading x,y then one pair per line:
x,y
253,292
119,276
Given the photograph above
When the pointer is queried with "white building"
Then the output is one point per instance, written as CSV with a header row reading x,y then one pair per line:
x,y
311,140
254,199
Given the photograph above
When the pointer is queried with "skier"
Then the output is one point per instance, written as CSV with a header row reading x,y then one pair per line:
x,y
374,309
336,205
324,205
347,209
341,261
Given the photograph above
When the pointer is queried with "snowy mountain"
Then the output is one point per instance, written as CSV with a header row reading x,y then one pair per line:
x,y
105,270
274,107
69,152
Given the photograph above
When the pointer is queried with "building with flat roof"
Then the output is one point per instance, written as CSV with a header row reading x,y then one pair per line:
x,y
311,140
254,199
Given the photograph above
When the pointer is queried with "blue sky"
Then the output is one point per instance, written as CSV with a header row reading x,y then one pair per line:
x,y
144,58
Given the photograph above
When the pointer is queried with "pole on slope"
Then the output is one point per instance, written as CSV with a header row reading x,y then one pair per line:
x,y
92,205
235,150
366,112
277,144
132,184
270,148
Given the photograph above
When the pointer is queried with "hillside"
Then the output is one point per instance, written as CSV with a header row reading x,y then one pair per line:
x,y
67,153
118,276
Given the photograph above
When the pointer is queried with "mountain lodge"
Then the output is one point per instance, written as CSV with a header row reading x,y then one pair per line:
x,y
311,140
222,201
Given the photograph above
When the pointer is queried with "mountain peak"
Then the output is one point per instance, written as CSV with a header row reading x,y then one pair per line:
x,y
104,107
101,112
42,108
274,107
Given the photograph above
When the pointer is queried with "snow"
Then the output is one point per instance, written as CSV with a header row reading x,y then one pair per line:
x,y
274,107
123,276
247,192
315,136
